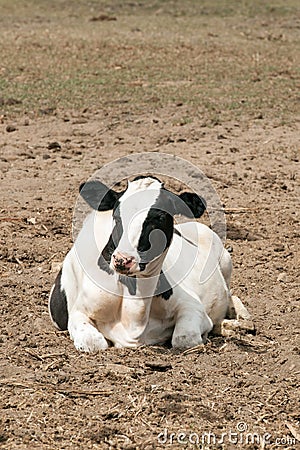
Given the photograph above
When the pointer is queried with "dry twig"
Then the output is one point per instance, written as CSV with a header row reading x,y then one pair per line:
x,y
36,386
197,349
11,219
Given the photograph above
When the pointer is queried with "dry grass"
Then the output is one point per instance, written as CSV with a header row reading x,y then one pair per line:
x,y
223,61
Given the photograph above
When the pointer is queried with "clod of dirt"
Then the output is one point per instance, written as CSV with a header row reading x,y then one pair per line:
x,y
3,437
54,146
39,325
47,111
119,368
158,367
10,128
103,17
31,220
282,277
236,328
279,248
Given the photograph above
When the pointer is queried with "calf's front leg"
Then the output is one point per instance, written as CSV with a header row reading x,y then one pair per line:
x,y
85,335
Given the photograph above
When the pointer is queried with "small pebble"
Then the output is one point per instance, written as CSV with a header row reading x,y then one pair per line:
x,y
282,277
279,248
10,128
54,145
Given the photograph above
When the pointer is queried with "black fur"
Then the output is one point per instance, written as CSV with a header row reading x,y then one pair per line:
x,y
142,266
187,204
156,219
114,239
163,288
130,282
140,177
99,196
58,304
103,265
160,217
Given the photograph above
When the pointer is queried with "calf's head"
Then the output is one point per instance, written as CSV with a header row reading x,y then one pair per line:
x,y
142,228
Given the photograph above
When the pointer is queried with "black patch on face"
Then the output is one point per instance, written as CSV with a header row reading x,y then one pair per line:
x,y
157,219
104,265
58,304
113,241
163,288
130,282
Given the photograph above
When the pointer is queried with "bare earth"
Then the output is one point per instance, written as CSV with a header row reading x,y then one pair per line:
x,y
83,83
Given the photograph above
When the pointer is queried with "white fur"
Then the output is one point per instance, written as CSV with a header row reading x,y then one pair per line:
x,y
134,209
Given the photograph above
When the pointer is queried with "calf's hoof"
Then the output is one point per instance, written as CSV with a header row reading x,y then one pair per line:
x,y
90,341
187,341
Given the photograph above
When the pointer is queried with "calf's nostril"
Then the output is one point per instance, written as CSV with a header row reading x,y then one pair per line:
x,y
117,259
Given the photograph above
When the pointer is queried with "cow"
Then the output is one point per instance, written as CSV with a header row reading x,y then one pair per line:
x,y
135,277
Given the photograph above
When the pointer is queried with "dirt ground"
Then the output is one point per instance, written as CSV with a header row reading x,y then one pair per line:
x,y
83,83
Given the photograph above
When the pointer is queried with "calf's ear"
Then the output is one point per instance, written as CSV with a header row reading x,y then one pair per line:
x,y
189,204
99,196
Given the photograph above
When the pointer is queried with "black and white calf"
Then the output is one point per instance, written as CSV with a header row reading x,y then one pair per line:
x,y
132,277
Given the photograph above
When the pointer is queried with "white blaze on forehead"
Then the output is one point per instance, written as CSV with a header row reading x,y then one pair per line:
x,y
135,204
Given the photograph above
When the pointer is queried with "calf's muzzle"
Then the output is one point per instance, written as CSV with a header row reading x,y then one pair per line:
x,y
123,262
